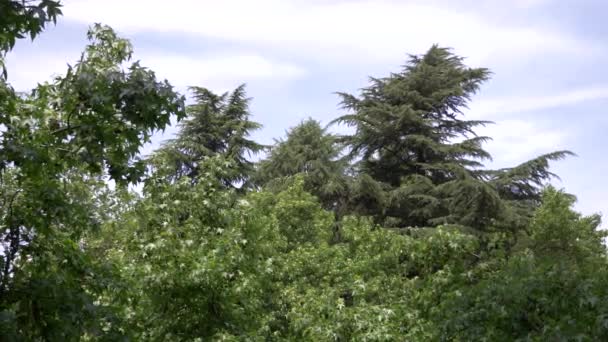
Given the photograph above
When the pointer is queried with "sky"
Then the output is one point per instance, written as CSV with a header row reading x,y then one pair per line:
x,y
548,92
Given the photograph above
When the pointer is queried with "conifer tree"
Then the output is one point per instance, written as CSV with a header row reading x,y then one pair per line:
x,y
217,125
420,162
314,153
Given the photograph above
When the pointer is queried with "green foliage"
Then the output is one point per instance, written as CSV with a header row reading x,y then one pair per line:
x,y
552,288
194,258
300,218
217,125
314,154
366,287
557,232
57,145
435,247
421,164
204,263
23,18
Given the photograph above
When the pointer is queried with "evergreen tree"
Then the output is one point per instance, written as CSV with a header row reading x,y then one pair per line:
x,y
311,151
217,125
520,188
420,162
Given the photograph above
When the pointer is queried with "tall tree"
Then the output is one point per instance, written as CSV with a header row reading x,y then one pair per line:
x,y
420,162
311,151
55,146
217,125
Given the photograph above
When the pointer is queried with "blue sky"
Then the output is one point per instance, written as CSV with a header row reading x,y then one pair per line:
x,y
549,90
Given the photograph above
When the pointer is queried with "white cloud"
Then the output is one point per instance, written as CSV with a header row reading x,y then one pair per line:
x,y
593,202
218,72
515,141
521,104
361,30
527,4
26,70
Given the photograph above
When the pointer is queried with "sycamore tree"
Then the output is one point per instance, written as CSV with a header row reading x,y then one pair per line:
x,y
21,19
58,145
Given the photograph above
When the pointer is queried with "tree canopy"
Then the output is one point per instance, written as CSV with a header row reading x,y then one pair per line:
x,y
310,151
217,125
397,232
421,163
24,18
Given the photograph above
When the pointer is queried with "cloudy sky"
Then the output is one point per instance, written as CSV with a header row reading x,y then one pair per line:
x,y
549,90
